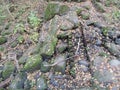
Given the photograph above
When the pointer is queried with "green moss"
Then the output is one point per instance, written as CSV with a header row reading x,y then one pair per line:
x,y
85,16
51,10
47,49
6,32
79,10
8,69
33,20
99,7
3,40
33,62
105,31
63,9
116,15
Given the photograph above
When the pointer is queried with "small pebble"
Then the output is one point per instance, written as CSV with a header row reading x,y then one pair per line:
x,y
83,62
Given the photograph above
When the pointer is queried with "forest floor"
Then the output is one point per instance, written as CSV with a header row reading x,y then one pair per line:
x,y
59,45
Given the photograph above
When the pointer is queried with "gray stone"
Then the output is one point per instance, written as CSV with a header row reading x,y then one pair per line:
x,y
104,76
30,51
66,25
61,47
72,17
83,62
113,33
98,42
98,60
44,68
61,63
18,82
63,34
113,48
41,84
114,62
117,40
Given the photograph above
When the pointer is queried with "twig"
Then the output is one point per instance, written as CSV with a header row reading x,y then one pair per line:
x,y
4,83
77,47
51,65
17,64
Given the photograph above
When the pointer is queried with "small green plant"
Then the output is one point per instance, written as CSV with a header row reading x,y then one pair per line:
x,y
33,20
2,16
34,36
116,15
105,31
20,39
72,72
19,28
103,54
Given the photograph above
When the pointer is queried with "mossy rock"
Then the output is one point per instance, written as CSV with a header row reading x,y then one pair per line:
x,y
8,69
47,49
51,10
63,9
45,68
23,59
3,40
61,47
48,45
33,63
18,82
85,15
63,34
54,25
41,83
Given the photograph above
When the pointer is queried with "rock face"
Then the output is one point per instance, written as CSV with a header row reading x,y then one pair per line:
x,y
33,62
8,69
